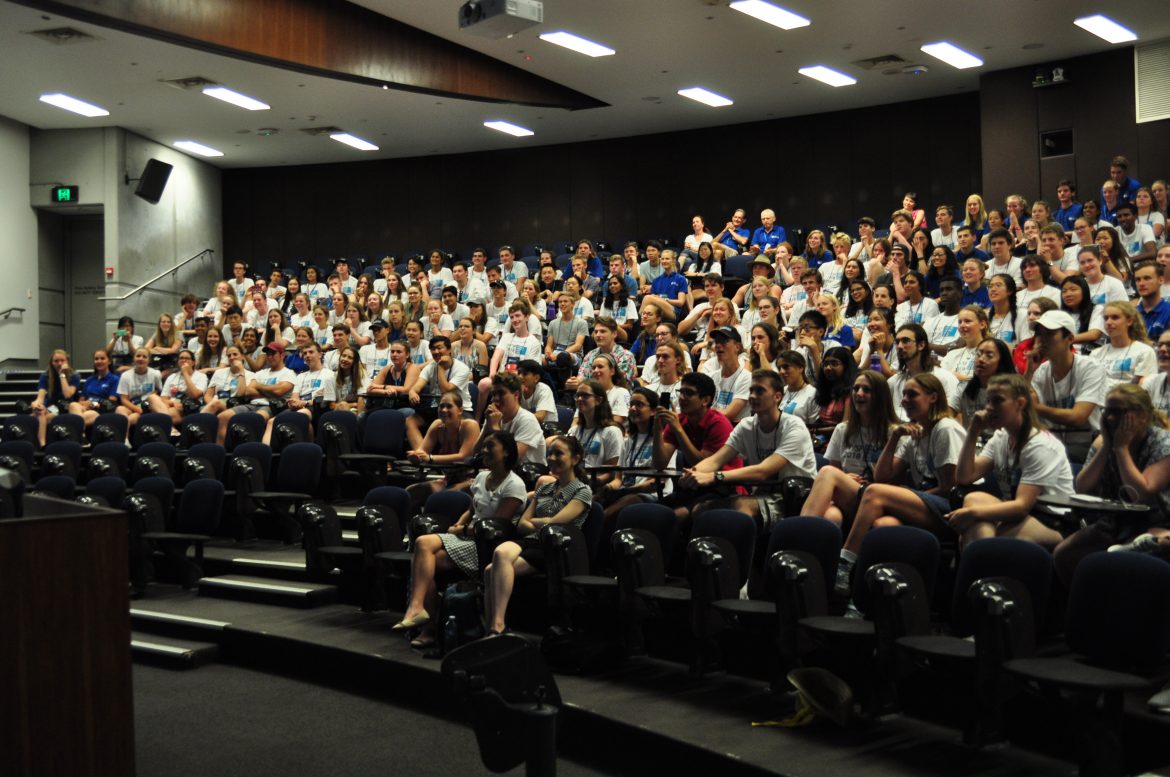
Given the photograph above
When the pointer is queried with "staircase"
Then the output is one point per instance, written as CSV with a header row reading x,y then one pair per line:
x,y
22,384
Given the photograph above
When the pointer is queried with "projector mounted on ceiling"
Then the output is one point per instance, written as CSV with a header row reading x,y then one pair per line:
x,y
499,18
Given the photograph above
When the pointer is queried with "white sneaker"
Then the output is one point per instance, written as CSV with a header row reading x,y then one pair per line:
x,y
1143,543
841,587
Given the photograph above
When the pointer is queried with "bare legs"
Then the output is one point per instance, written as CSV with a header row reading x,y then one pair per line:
x,y
499,578
885,505
834,495
429,557
1028,529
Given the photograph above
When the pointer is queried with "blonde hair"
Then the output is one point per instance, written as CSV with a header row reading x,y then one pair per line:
x,y
1137,327
1138,400
837,320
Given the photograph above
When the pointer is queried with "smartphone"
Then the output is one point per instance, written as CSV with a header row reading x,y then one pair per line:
x,y
119,333
664,400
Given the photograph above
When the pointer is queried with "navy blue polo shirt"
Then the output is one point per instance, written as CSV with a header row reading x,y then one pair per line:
x,y
768,238
1066,217
1156,320
742,232
975,254
670,286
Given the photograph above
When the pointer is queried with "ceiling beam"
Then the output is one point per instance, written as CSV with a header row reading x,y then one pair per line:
x,y
332,39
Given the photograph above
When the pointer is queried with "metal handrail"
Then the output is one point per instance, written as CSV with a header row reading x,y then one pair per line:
x,y
10,311
161,275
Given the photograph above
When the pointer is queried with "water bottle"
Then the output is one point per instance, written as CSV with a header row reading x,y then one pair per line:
x,y
875,362
450,633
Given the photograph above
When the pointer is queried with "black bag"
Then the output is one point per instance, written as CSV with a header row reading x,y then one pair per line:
x,y
190,405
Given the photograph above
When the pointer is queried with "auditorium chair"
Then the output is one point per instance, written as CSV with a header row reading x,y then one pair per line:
x,y
62,457
298,474
381,519
244,428
108,458
151,427
197,428
381,440
194,521
327,557
110,489
287,428
337,434
247,472
1118,628
202,460
108,427
65,426
18,456
21,427
59,486
153,459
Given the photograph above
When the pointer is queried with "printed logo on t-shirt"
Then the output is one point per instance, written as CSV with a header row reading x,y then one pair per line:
x,y
1122,369
950,331
723,399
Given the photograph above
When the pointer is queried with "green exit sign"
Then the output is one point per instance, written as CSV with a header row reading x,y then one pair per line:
x,y
63,194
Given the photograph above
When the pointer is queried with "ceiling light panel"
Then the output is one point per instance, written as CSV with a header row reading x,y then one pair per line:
x,y
772,14
508,128
576,43
235,98
827,75
1105,28
952,55
197,148
353,141
699,94
74,105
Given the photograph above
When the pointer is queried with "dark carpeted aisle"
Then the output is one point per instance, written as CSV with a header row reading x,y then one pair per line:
x,y
225,721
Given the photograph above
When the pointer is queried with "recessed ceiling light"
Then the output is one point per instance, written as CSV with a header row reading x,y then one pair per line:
x,y
509,128
235,98
197,148
772,14
1105,28
827,75
577,44
952,55
354,141
699,94
73,104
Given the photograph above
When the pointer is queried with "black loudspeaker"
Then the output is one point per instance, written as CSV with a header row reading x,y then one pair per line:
x,y
153,181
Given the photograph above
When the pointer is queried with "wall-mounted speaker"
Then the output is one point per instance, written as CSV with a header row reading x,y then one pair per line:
x,y
153,181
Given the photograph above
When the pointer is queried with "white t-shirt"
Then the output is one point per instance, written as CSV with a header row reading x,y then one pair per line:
x,y
960,361
731,388
950,240
831,274
438,280
486,503
419,354
801,403
1132,242
620,314
348,285
650,367
226,385
1123,365
240,288
298,321
950,384
516,273
1158,388
924,457
270,377
790,439
122,349
526,429
517,349
373,359
321,385
638,451
942,329
601,446
1012,268
316,292
495,319
1152,219
1108,289
134,386
541,400
459,374
175,385
659,388
619,401
921,313
1011,332
1085,382
857,454
1025,296
584,309
430,328
1042,462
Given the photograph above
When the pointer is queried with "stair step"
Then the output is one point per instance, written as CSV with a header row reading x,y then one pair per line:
x,y
170,651
173,625
269,591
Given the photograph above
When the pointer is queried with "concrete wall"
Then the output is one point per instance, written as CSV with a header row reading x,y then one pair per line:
x,y
140,239
19,335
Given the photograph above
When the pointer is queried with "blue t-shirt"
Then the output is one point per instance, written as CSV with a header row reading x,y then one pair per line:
x,y
768,238
100,388
728,241
670,286
1066,217
842,336
977,297
975,254
1156,320
816,261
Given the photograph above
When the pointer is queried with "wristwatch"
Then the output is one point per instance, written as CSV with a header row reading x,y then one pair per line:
x,y
719,476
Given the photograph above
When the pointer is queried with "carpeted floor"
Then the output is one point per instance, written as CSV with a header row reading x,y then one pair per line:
x,y
225,721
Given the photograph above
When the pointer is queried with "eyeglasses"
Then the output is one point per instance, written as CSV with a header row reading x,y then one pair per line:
x,y
581,395
639,405
688,392
904,340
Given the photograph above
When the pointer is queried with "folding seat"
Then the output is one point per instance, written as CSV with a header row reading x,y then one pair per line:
x,y
381,522
197,428
337,434
111,490
289,427
1118,627
382,436
148,509
151,427
108,427
297,478
325,552
195,519
153,459
202,460
244,428
21,427
62,457
108,458
65,426
59,486
18,456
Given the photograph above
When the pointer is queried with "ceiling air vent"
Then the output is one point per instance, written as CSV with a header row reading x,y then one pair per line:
x,y
62,35
190,82
1151,75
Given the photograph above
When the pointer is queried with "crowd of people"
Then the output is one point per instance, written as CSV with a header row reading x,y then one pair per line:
x,y
946,370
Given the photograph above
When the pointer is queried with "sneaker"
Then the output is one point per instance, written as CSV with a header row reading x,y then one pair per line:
x,y
841,587
1143,543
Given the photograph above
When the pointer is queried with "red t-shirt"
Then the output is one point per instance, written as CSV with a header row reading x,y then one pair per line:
x,y
710,435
